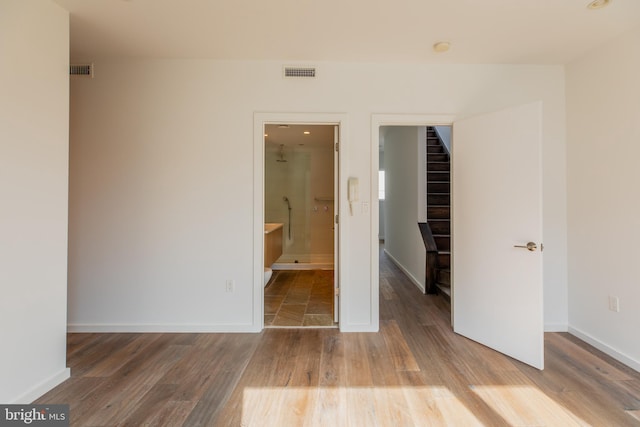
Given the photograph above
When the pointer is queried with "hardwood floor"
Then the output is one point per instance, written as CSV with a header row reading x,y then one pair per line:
x,y
299,298
414,372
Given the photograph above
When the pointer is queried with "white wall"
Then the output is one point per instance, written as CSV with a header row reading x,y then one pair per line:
x,y
603,128
321,215
405,168
34,82
161,194
444,132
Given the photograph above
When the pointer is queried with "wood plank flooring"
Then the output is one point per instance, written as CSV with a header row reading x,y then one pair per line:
x,y
414,372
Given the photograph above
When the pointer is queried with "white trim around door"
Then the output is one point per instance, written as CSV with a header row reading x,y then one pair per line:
x,y
377,121
259,121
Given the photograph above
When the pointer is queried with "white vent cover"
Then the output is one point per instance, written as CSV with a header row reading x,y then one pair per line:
x,y
81,70
299,72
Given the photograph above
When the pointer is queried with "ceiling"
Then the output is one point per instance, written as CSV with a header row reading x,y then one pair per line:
x,y
488,31
294,136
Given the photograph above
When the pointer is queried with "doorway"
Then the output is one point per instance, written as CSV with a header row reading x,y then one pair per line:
x,y
339,123
300,165
415,166
500,151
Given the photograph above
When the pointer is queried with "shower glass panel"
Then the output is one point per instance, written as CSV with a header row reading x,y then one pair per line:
x,y
287,183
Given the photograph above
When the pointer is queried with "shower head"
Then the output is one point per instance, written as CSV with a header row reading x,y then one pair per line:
x,y
281,159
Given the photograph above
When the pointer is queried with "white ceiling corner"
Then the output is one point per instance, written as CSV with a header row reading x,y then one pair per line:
x,y
489,31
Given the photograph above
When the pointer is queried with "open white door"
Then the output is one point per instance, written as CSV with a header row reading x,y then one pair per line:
x,y
497,205
336,225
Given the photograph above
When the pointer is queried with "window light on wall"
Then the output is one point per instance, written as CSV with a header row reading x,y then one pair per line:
x,y
380,185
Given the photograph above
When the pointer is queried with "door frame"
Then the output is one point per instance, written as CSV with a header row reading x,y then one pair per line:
x,y
340,265
377,121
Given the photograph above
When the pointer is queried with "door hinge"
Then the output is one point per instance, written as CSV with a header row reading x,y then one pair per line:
x,y
337,146
336,219
337,291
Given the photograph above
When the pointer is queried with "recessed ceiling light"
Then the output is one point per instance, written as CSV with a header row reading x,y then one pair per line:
x,y
283,126
441,47
306,132
266,135
598,4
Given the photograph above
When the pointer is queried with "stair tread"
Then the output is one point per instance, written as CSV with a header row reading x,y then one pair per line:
x,y
438,178
445,289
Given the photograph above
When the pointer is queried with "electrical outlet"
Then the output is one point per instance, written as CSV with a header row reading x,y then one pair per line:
x,y
614,303
230,285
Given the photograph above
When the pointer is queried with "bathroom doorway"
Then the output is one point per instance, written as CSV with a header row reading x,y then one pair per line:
x,y
300,209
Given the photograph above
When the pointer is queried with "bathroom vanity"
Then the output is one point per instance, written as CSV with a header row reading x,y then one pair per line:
x,y
272,242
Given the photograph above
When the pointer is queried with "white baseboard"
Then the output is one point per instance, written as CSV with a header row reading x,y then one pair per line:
x,y
43,387
605,348
170,328
556,327
406,272
160,328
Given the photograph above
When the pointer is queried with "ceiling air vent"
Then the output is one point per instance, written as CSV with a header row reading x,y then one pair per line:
x,y
299,72
81,70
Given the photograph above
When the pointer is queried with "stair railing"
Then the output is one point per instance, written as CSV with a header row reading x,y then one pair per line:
x,y
431,263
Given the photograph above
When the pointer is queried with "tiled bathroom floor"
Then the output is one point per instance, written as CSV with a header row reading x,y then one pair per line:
x,y
299,298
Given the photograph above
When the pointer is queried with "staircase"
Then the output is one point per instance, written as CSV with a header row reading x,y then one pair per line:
x,y
438,212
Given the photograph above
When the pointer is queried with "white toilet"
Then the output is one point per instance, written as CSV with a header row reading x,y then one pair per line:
x,y
267,275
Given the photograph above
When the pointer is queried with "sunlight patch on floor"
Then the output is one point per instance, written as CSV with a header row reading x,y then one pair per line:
x,y
526,406
353,406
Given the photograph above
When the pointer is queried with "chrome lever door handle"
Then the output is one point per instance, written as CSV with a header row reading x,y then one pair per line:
x,y
530,246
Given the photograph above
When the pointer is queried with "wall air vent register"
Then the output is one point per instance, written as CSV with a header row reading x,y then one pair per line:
x,y
81,70
295,72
